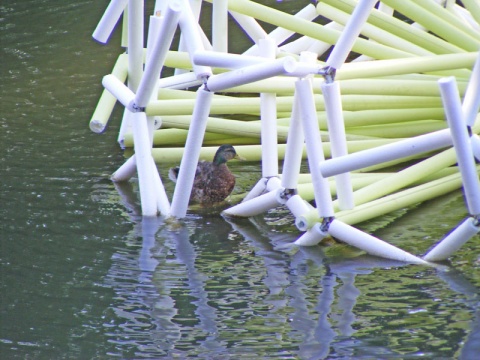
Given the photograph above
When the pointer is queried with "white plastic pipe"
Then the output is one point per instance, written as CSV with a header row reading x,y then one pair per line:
x,y
126,171
279,35
338,141
135,43
196,7
220,25
297,46
475,140
226,60
294,148
257,190
163,204
154,26
370,244
273,183
268,119
304,69
453,241
143,156
295,139
121,92
234,61
191,35
311,237
251,73
315,154
107,23
125,128
193,145
159,52
350,33
471,100
380,154
321,47
461,143
268,116
160,6
251,27
181,81
297,205
254,206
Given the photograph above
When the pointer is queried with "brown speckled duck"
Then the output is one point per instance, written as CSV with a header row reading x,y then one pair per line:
x,y
213,180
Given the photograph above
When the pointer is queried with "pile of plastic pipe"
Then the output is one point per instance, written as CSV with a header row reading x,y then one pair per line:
x,y
348,119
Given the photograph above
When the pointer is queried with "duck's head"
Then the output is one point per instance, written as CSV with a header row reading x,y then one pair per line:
x,y
224,153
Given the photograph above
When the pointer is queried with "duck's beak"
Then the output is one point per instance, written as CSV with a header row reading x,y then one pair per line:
x,y
238,157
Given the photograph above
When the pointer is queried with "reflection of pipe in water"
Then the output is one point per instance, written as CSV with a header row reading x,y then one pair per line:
x,y
276,278
324,332
457,282
196,282
150,226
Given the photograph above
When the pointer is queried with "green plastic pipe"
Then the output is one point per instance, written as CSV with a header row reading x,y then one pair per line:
x,y
400,28
106,103
311,29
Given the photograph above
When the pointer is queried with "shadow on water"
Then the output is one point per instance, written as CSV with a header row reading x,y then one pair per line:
x,y
200,288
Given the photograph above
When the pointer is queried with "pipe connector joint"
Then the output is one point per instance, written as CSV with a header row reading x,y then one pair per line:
x,y
288,193
328,73
325,225
476,220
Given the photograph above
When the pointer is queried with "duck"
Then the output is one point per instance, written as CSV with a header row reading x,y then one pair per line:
x,y
213,181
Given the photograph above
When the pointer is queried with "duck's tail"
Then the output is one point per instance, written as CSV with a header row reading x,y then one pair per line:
x,y
173,174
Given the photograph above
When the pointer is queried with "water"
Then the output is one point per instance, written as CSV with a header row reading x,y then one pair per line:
x,y
83,277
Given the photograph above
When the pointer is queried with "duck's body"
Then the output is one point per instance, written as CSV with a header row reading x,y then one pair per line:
x,y
213,180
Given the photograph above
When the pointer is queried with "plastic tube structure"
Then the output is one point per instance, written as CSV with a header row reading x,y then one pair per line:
x,y
118,89
143,155
295,138
294,148
255,206
159,52
471,100
461,143
350,33
314,147
226,60
268,119
257,190
338,142
135,43
279,35
188,165
181,81
475,140
250,26
154,26
369,243
453,241
396,150
108,21
251,73
220,25
126,171
193,40
312,236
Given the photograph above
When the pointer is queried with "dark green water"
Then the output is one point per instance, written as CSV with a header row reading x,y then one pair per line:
x,y
84,277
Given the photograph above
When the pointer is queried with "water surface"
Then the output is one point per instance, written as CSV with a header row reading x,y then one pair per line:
x,y
84,276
